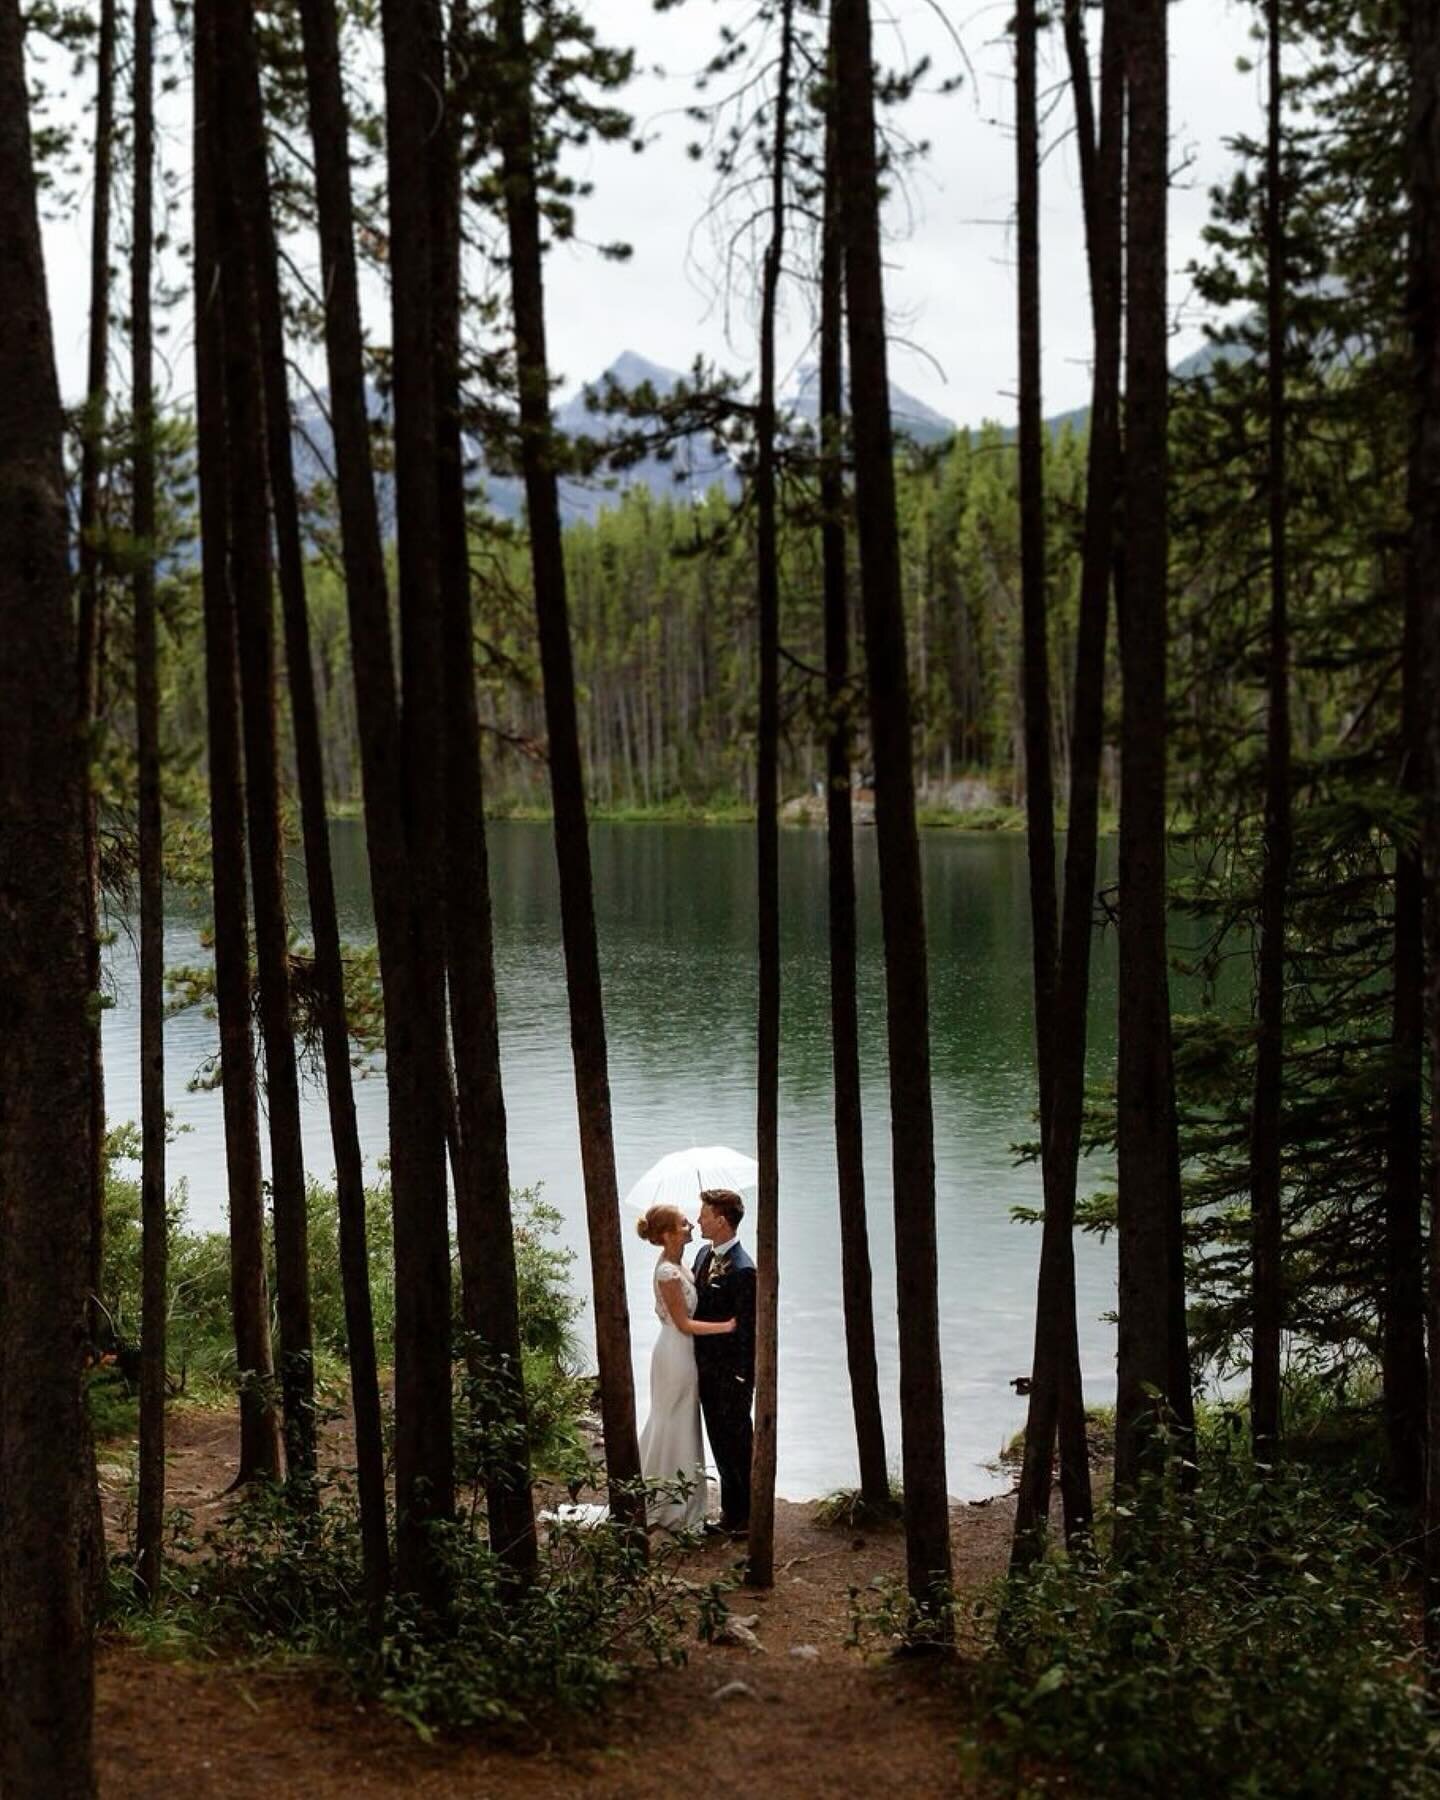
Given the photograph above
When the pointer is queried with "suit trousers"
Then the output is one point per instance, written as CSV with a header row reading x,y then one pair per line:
x,y
725,1399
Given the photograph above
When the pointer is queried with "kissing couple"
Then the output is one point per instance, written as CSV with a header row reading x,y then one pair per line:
x,y
703,1362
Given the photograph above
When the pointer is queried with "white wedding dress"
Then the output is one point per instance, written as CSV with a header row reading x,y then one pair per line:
x,y
670,1444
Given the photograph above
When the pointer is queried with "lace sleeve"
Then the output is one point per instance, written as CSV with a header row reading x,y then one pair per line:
x,y
668,1271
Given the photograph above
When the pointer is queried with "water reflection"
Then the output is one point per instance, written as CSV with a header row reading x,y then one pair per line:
x,y
676,919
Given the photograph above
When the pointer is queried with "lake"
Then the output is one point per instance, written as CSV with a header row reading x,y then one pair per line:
x,y
676,913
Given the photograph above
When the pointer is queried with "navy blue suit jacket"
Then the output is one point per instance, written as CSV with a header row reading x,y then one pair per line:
x,y
729,1294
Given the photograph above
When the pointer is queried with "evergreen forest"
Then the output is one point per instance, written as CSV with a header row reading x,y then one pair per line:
x,y
354,1488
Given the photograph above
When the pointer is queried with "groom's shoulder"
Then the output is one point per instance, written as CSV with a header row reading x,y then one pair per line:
x,y
740,1258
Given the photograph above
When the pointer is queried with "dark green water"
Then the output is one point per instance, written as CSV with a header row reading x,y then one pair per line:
x,y
676,918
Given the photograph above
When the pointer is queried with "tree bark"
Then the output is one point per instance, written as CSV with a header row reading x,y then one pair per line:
x,y
154,1307
760,1561
1144,1101
1403,1356
855,1273
259,1433
490,1294
1424,496
250,580
424,1440
1403,1352
922,1407
48,1017
1057,1392
319,876
515,132
91,599
1039,776
1265,1117
371,647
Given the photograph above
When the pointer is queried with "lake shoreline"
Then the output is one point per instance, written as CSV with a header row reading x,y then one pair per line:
x,y
802,812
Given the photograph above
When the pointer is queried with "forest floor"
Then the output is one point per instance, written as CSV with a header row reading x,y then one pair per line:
x,y
815,1716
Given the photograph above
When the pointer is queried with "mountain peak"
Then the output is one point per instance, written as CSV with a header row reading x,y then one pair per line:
x,y
909,417
630,369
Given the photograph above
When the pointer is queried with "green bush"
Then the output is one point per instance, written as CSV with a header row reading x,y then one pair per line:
x,y
276,1582
200,1350
1259,1644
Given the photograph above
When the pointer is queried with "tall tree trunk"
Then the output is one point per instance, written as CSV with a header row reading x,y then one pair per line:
x,y
855,1275
1424,551
1144,1098
1039,777
1403,1359
371,648
1265,1117
1057,1392
319,876
1403,1355
482,1184
515,132
90,632
760,1564
249,1303
150,1504
922,1401
47,1019
250,581
424,1440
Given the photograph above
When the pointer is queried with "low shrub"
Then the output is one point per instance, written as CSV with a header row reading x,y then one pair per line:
x,y
200,1349
846,1509
276,1582
1256,1640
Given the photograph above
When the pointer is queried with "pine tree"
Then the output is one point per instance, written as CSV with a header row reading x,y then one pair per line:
x,y
50,1019
1145,1106
150,1504
90,561
760,1564
424,1425
855,1274
310,772
515,130
1265,1173
922,1410
240,193
259,1433
482,1166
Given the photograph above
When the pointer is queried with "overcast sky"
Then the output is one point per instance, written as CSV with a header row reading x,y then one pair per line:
x,y
951,286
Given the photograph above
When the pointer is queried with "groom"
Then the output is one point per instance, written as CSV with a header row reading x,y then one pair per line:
x,y
725,1363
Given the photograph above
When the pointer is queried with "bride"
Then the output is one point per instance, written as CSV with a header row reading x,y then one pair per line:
x,y
670,1443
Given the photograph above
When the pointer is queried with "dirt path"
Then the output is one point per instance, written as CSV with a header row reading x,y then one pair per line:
x,y
821,1722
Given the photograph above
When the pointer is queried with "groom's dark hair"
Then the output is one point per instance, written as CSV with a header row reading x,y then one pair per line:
x,y
729,1205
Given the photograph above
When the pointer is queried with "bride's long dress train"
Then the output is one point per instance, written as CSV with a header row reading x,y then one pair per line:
x,y
670,1444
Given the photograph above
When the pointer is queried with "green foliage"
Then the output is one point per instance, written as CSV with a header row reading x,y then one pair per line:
x,y
273,1582
557,1392
848,1510
114,1403
200,1348
1260,1642
201,1343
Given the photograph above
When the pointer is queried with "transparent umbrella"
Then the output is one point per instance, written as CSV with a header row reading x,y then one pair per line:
x,y
676,1180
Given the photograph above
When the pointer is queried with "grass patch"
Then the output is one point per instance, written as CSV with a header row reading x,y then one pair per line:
x,y
846,1509
1099,1438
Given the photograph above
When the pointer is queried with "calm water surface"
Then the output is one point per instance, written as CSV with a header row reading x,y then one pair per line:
x,y
676,920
